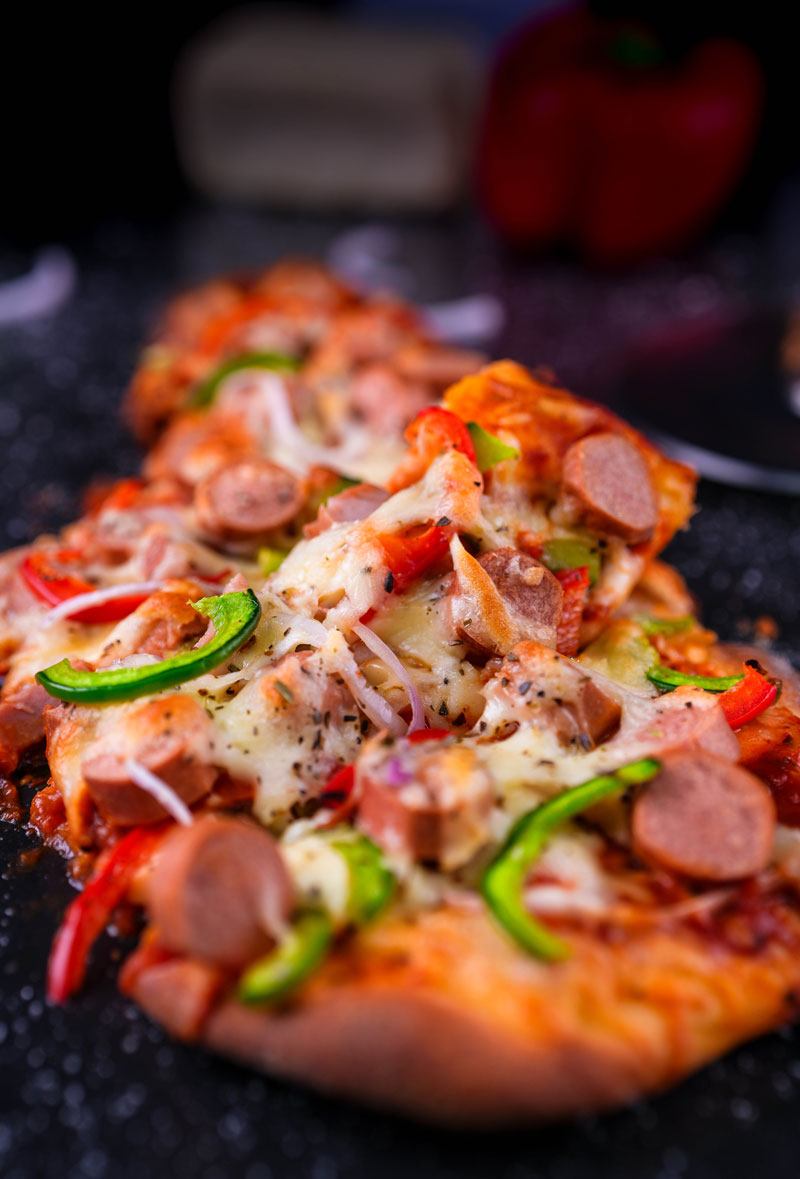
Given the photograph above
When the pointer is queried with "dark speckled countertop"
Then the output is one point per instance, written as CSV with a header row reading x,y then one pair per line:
x,y
95,1090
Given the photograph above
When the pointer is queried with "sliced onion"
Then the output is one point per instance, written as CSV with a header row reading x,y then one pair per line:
x,y
285,429
158,789
383,651
338,657
371,703
99,597
300,630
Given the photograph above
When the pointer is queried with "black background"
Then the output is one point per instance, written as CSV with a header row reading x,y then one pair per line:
x,y
85,97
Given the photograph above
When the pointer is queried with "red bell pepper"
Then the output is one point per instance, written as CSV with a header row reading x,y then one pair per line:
x,y
90,912
575,584
421,736
432,431
591,137
41,573
338,797
218,331
408,557
749,698
122,495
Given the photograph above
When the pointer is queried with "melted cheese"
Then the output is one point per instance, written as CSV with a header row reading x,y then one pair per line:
x,y
48,644
414,628
320,874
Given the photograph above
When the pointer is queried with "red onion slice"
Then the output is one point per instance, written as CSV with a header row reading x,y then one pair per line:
x,y
383,651
294,445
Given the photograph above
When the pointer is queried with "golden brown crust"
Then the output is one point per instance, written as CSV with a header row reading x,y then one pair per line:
x,y
442,1018
547,420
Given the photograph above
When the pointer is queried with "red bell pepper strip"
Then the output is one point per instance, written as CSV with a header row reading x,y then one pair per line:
x,y
90,912
338,797
749,698
217,332
421,736
339,787
408,557
432,431
575,584
591,136
122,495
41,574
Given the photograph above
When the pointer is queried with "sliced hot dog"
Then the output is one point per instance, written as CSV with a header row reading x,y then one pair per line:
x,y
606,483
179,993
354,503
425,803
245,500
532,595
219,891
501,598
384,399
158,627
169,737
705,818
537,686
21,722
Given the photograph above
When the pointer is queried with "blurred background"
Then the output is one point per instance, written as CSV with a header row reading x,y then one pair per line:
x,y
614,186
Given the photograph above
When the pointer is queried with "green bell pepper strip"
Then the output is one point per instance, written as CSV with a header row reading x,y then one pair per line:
x,y
270,559
664,626
235,617
667,679
371,882
205,393
504,880
566,552
489,449
291,962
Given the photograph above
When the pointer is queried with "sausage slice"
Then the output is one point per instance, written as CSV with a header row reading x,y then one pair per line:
x,y
425,803
158,627
534,685
704,818
503,597
245,500
354,503
179,993
121,801
606,483
219,891
530,592
21,722
169,736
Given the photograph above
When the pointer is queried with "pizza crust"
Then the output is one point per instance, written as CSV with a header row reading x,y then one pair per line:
x,y
442,1018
